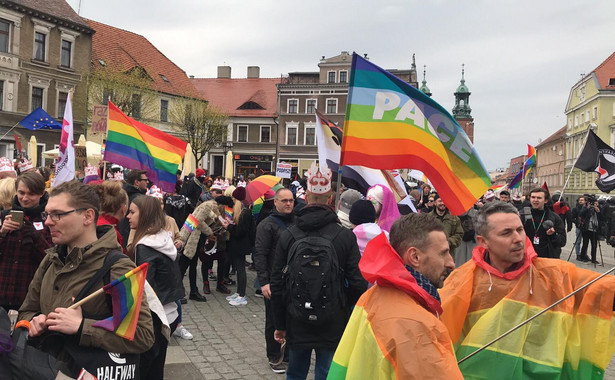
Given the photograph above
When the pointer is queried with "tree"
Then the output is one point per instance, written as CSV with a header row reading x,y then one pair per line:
x,y
200,123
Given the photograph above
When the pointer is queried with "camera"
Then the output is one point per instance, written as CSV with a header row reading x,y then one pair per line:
x,y
591,200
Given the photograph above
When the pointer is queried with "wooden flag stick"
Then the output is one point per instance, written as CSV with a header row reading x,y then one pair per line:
x,y
86,299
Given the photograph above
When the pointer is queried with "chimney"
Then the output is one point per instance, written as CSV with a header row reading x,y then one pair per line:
x,y
224,72
254,72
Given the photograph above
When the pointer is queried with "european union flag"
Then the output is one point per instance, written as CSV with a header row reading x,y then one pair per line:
x,y
39,119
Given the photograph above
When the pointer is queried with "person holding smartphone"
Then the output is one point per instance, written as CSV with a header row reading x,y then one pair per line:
x,y
23,239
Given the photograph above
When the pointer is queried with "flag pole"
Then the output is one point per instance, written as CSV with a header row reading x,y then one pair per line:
x,y
337,190
537,315
574,163
86,299
9,131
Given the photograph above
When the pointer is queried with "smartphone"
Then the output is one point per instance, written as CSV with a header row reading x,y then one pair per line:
x,y
17,216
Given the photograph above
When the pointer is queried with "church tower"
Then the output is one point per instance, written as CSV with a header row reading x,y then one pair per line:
x,y
424,87
462,111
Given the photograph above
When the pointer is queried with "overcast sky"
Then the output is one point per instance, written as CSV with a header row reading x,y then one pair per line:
x,y
521,57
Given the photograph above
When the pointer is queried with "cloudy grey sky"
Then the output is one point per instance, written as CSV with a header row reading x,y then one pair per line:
x,y
521,57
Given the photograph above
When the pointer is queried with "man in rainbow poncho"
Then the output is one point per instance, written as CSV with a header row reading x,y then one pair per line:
x,y
394,331
503,285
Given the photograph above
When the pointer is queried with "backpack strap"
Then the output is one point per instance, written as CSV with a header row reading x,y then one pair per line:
x,y
102,274
279,221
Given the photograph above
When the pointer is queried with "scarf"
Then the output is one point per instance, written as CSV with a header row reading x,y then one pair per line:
x,y
424,283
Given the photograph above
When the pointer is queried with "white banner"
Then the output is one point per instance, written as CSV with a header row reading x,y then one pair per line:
x,y
65,167
283,170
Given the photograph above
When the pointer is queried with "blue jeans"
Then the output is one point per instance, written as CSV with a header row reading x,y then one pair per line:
x,y
577,242
299,363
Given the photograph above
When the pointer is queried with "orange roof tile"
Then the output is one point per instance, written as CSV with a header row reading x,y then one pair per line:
x,y
605,71
123,50
231,93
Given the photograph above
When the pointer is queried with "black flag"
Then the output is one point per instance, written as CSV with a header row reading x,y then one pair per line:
x,y
598,157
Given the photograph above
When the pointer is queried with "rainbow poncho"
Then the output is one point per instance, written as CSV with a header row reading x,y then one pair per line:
x,y
574,340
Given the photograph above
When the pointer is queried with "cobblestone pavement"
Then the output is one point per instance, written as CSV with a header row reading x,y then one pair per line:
x,y
229,342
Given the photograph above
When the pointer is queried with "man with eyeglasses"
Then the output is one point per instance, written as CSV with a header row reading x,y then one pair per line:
x,y
267,235
79,252
429,206
135,185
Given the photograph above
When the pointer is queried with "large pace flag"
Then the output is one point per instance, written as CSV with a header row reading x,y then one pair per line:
x,y
138,146
65,167
529,163
598,157
39,119
329,138
391,125
126,293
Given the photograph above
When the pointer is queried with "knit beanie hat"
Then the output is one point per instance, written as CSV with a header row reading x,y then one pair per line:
x,y
240,194
225,201
362,211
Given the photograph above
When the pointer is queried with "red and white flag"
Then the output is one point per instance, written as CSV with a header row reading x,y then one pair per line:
x,y
65,167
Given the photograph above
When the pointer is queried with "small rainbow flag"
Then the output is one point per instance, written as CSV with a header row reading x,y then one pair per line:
x,y
191,223
138,146
228,212
527,166
391,125
126,292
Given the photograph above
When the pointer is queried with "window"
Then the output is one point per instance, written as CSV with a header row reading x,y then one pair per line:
x,y
164,110
62,96
331,105
5,28
291,134
576,119
135,107
265,133
343,76
65,55
310,106
331,77
37,97
310,136
293,105
587,115
611,81
595,113
242,133
40,42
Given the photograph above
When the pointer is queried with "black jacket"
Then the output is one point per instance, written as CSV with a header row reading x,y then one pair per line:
x,y
192,190
162,274
268,233
241,234
548,246
313,219
124,226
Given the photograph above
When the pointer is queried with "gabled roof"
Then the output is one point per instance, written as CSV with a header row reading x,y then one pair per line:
x,y
58,10
557,135
230,94
121,50
605,71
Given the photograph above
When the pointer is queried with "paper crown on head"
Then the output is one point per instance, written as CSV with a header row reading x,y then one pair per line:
x,y
155,192
118,176
24,165
6,165
91,171
319,179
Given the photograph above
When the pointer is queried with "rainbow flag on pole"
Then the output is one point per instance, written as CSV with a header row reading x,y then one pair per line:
x,y
527,166
392,125
126,293
138,146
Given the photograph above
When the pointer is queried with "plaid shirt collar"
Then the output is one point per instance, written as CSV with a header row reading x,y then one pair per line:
x,y
424,283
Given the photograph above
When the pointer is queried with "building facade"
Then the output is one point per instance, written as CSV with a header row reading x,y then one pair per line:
x,y
591,104
551,160
302,93
45,52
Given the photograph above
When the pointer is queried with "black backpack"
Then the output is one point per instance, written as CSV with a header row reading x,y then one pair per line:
x,y
314,278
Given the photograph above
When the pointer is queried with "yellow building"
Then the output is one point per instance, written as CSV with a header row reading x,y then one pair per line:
x,y
591,104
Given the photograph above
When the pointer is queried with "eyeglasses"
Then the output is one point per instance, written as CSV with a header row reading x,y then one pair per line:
x,y
286,200
430,200
55,216
142,179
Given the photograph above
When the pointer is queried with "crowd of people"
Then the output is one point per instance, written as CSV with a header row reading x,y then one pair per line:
x,y
371,288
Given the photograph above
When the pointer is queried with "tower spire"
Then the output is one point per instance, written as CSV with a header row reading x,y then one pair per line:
x,y
424,87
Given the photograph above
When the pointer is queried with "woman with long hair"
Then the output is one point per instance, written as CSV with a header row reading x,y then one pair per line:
x,y
240,243
152,244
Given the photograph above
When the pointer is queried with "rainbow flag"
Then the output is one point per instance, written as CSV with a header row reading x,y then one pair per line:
x,y
191,223
126,292
138,146
228,212
573,340
391,125
527,166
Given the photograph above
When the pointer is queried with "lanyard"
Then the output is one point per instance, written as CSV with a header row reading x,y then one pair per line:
x,y
539,224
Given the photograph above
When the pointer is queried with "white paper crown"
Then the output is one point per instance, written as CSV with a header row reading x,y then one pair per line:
x,y
6,165
91,170
24,165
319,180
155,192
119,176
